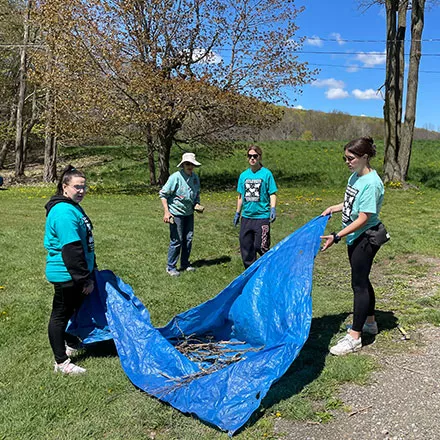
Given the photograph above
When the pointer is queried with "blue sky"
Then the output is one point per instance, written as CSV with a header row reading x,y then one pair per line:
x,y
349,79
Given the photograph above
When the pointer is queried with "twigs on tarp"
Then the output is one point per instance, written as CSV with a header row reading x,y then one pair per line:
x,y
209,354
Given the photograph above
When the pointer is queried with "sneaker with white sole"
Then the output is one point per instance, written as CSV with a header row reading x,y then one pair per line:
x,y
72,351
369,327
68,367
346,345
173,272
189,269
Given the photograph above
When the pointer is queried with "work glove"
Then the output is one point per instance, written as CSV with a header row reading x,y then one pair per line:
x,y
273,215
236,219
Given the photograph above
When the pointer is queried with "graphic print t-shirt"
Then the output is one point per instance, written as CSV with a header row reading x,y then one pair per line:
x,y
256,189
363,194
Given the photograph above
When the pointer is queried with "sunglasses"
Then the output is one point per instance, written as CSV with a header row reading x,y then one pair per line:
x,y
253,156
79,187
348,158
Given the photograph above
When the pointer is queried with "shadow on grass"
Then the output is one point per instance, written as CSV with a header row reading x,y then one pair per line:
x,y
310,362
212,262
99,349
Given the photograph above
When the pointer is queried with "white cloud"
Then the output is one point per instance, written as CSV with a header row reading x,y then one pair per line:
x,y
338,38
331,83
371,59
352,69
366,94
206,57
336,93
315,41
298,107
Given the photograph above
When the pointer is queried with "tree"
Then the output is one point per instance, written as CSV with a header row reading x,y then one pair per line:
x,y
163,71
399,136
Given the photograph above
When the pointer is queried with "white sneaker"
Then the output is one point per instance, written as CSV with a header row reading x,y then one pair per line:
x,y
72,351
346,345
189,269
173,272
68,367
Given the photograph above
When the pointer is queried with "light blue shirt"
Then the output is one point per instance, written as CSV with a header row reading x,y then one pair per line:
x,y
182,192
363,194
255,189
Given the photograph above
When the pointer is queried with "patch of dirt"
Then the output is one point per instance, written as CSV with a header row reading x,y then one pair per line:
x,y
401,402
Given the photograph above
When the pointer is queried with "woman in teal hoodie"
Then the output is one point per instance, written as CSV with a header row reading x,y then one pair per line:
x,y
70,263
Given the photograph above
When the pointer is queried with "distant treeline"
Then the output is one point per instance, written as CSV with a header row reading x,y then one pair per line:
x,y
314,125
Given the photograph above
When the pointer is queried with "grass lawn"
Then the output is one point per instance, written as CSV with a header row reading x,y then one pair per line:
x,y
132,240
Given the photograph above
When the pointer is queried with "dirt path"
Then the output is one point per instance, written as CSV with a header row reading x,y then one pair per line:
x,y
401,402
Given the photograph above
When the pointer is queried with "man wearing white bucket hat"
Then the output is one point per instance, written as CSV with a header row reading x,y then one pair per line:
x,y
180,196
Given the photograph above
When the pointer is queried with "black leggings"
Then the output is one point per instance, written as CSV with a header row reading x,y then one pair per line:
x,y
67,299
361,254
254,238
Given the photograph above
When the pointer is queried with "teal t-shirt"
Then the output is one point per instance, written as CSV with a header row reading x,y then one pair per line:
x,y
256,189
182,193
66,223
363,194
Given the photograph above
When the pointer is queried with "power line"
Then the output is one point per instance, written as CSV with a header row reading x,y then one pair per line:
x,y
363,67
343,40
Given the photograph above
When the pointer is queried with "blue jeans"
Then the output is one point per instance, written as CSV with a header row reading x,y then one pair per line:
x,y
181,235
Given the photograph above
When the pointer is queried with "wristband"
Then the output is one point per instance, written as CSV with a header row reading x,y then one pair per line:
x,y
336,238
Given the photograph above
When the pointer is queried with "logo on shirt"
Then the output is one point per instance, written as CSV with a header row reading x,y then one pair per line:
x,y
252,189
350,196
90,239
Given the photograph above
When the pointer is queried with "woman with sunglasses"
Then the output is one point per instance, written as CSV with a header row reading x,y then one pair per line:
x,y
70,263
256,203
364,235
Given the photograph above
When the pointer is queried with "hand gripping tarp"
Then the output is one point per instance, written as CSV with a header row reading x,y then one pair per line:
x,y
268,308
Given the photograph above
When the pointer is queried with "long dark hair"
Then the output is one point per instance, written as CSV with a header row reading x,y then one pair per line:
x,y
361,146
66,176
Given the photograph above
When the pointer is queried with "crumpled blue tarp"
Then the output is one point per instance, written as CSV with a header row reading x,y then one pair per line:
x,y
267,308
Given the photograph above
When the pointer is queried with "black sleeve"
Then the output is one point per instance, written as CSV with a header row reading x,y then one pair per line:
x,y
75,262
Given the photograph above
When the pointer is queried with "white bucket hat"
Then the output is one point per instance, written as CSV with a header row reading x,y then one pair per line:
x,y
189,157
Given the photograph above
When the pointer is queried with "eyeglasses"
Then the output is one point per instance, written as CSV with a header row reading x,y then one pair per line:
x,y
253,156
79,187
348,158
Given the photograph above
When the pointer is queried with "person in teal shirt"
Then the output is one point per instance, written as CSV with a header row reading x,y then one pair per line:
x,y
179,196
70,263
364,235
256,203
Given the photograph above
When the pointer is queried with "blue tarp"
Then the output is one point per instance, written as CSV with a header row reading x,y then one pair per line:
x,y
268,309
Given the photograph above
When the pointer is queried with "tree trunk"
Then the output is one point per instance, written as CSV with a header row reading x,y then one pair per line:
x,y
150,155
166,138
8,142
19,153
50,143
29,126
417,23
50,140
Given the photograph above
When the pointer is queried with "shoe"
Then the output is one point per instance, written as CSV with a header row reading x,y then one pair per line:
x,y
189,269
72,351
346,345
68,367
173,272
370,328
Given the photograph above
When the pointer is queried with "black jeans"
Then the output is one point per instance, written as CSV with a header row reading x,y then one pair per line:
x,y
254,238
361,254
67,299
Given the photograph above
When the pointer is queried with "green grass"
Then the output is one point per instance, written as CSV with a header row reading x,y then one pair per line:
x,y
132,240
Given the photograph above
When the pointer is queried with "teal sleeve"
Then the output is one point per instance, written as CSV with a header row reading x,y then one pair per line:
x,y
240,185
367,200
272,185
67,229
169,188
